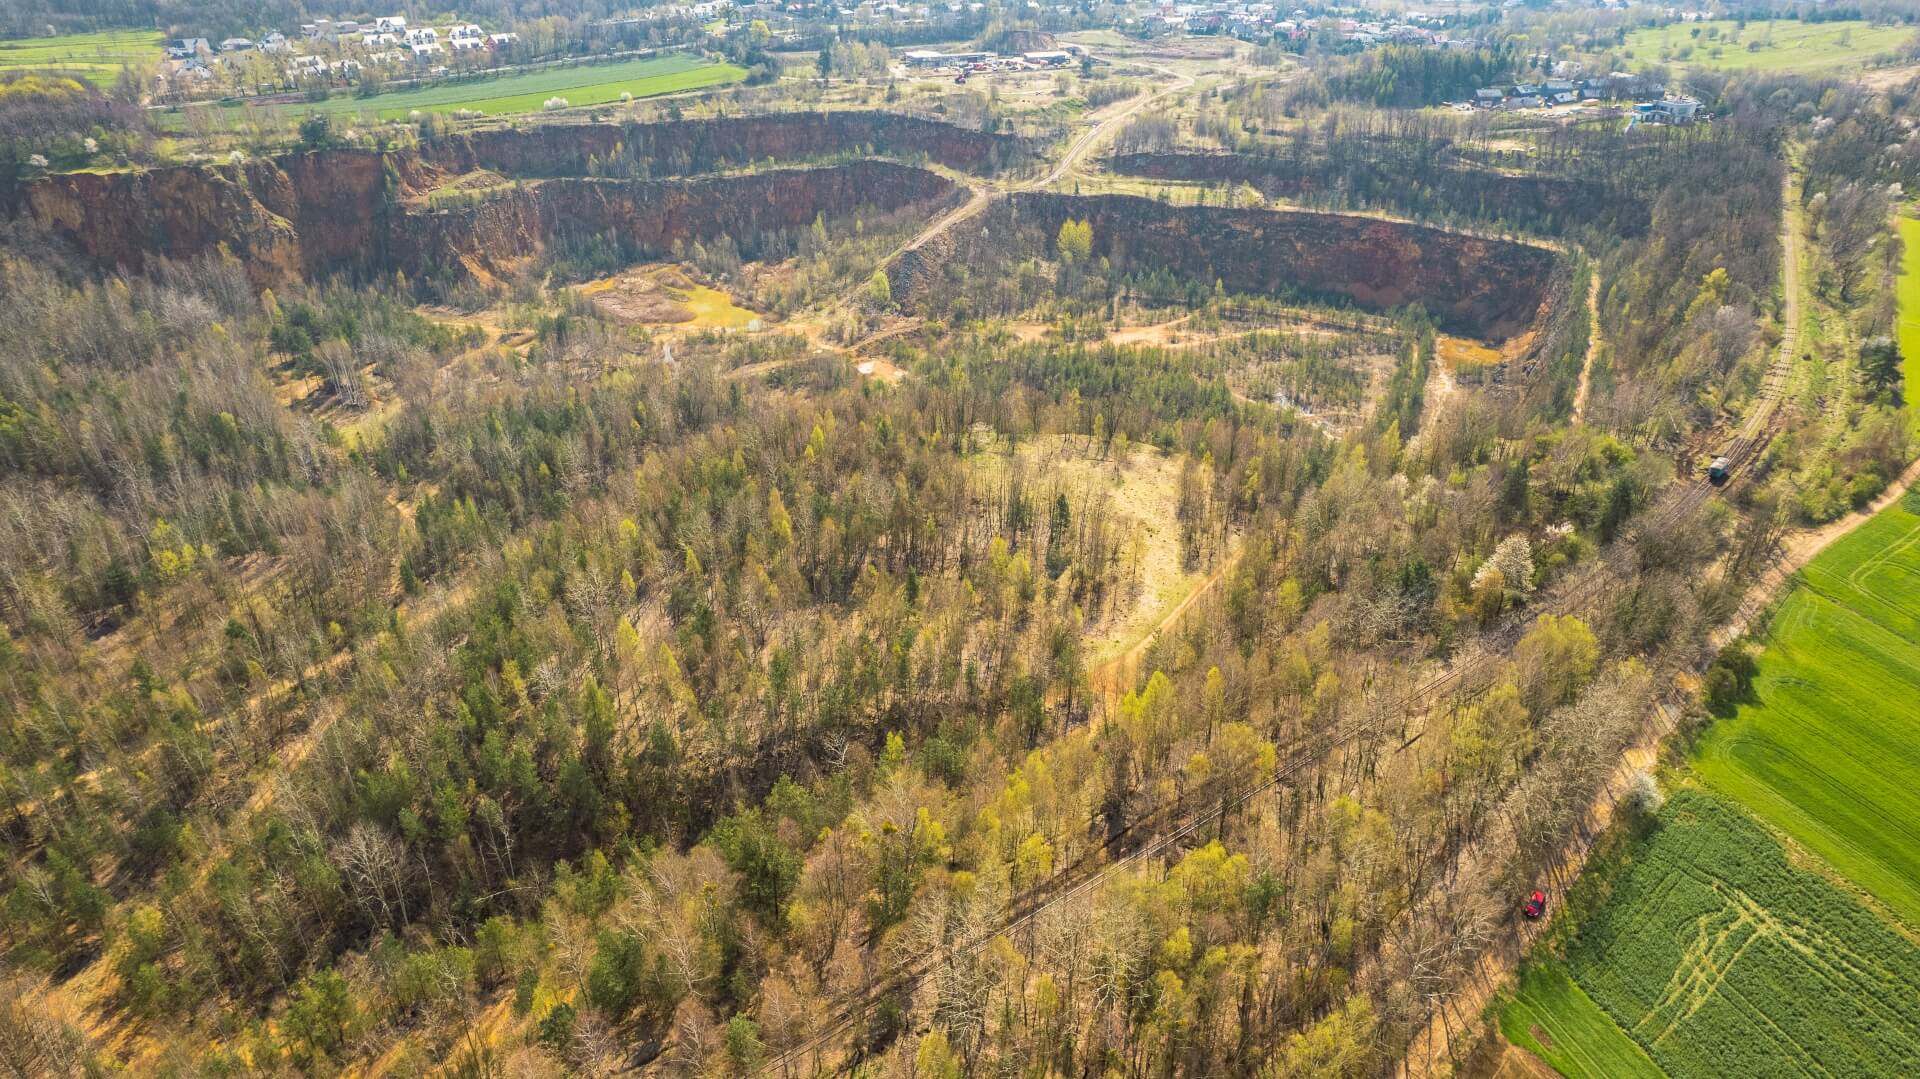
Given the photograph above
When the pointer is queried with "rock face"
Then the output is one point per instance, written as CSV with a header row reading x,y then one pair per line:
x,y
123,219
361,212
1472,285
681,147
651,216
1535,201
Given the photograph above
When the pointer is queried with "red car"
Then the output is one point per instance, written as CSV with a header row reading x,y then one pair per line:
x,y
1536,905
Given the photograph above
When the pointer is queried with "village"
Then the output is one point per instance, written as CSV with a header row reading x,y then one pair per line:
x,y
327,51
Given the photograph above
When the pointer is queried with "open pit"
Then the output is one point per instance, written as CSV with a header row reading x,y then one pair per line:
x,y
473,204
1544,203
1474,286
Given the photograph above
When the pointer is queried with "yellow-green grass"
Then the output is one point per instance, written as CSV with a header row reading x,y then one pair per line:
x,y
1551,1017
97,57
712,307
1909,296
1778,45
1719,955
1829,751
590,84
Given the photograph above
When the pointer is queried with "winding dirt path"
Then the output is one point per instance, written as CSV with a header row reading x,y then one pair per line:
x,y
1110,680
1593,344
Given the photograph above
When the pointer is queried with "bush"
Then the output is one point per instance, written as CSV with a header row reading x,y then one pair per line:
x,y
1729,681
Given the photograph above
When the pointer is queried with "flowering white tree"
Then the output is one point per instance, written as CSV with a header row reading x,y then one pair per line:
x,y
1513,560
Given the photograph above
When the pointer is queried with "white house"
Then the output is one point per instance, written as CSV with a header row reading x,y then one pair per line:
x,y
275,42
425,35
236,44
465,32
391,24
501,41
425,49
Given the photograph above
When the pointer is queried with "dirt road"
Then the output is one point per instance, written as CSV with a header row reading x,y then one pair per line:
x,y
1431,1051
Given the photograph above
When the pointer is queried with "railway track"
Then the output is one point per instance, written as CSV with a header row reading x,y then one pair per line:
x,y
1164,827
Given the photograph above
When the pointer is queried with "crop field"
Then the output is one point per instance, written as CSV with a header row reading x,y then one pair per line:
x,y
594,84
1719,957
97,57
1909,297
1551,1017
1783,45
1826,752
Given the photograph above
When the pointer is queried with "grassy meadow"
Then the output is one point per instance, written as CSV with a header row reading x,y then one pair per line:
x,y
1826,750
590,84
1720,956
97,57
1554,1019
1778,45
1909,295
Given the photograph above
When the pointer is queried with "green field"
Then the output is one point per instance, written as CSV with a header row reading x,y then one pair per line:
x,y
1909,296
1720,958
1827,752
98,57
1551,1017
1802,47
593,84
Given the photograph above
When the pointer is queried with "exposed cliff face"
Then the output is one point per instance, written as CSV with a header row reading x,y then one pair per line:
x,y
652,215
680,147
1485,288
123,219
352,211
1547,202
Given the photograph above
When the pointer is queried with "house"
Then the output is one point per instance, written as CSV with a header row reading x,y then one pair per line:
x,y
311,30
1667,110
345,27
188,48
501,41
423,50
1051,58
1488,97
425,35
1566,97
391,24
309,65
466,32
275,42
344,69
377,41
1526,101
236,44
928,58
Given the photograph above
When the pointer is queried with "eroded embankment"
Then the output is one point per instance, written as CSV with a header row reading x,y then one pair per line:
x,y
1548,203
685,147
359,212
1473,285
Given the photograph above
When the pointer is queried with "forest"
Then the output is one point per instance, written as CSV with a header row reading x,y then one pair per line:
x,y
505,686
